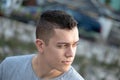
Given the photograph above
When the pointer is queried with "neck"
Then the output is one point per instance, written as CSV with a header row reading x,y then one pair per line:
x,y
42,70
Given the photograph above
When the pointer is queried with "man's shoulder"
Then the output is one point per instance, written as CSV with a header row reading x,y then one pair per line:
x,y
19,57
74,75
16,59
17,65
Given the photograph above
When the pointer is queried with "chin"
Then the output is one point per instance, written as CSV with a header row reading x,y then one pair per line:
x,y
65,69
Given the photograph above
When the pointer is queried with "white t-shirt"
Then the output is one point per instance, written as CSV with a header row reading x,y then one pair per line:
x,y
20,68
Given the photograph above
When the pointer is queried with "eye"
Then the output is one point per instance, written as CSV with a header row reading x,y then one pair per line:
x,y
75,44
62,46
66,45
59,46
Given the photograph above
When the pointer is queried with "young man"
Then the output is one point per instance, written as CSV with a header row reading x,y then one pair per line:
x,y
56,41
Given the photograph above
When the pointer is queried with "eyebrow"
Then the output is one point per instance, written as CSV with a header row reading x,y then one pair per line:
x,y
67,42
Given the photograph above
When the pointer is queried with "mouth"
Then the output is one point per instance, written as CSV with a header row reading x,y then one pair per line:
x,y
67,62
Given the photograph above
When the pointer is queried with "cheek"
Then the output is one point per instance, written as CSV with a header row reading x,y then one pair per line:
x,y
54,54
53,59
57,55
54,51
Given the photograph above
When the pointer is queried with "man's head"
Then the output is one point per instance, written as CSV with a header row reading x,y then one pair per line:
x,y
56,40
51,20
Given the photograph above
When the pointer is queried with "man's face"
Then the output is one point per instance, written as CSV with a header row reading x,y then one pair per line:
x,y
60,52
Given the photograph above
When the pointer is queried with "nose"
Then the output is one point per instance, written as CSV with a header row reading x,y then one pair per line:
x,y
70,52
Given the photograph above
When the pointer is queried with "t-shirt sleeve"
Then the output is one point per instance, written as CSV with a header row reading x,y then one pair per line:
x,y
16,68
1,69
4,68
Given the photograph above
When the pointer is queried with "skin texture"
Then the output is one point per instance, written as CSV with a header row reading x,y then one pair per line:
x,y
55,58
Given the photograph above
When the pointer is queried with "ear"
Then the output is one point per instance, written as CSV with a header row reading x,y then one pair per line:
x,y
40,45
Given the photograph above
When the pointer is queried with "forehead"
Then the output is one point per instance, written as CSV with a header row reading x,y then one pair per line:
x,y
64,35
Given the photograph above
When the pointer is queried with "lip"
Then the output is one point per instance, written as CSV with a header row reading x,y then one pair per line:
x,y
67,62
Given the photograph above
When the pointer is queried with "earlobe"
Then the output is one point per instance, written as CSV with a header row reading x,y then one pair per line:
x,y
40,45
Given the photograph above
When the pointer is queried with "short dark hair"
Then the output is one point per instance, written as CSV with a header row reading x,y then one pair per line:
x,y
53,19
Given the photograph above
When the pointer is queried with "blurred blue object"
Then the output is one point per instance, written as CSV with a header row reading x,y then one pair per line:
x,y
85,22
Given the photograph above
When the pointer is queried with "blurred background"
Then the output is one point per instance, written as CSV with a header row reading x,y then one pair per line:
x,y
98,54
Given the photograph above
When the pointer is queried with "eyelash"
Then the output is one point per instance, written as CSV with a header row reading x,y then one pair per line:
x,y
65,46
61,46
